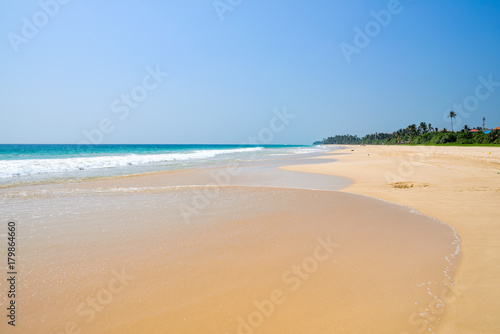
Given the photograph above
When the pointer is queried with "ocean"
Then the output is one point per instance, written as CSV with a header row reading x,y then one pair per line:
x,y
23,163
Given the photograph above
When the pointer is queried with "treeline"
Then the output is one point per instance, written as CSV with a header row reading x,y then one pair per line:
x,y
418,135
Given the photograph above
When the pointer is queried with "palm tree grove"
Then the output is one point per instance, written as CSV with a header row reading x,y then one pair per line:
x,y
423,134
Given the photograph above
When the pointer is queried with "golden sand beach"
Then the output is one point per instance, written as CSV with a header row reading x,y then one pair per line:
x,y
259,260
457,185
118,255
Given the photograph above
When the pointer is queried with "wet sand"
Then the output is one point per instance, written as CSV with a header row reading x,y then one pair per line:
x,y
458,185
184,253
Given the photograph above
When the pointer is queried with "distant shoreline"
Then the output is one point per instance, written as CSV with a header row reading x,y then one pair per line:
x,y
424,134
413,145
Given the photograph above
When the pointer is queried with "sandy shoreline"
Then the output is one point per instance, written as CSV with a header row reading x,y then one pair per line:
x,y
457,185
117,255
125,263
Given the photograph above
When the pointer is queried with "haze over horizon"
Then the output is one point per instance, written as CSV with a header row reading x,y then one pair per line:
x,y
218,72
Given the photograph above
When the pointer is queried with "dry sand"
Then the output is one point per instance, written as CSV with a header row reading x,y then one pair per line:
x,y
457,185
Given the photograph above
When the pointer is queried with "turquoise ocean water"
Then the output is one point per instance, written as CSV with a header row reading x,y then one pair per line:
x,y
36,163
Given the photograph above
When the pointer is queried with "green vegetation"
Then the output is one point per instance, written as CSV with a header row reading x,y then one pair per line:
x,y
424,134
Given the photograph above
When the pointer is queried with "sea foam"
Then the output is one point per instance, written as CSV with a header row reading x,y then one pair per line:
x,y
13,168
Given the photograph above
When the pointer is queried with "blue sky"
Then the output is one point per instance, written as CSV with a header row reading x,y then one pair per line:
x,y
69,76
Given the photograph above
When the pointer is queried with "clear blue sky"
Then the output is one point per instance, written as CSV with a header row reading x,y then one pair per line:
x,y
226,76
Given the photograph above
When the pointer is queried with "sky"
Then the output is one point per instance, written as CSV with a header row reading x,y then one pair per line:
x,y
224,71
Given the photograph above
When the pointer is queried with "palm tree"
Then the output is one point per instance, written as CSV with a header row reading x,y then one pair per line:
x,y
452,115
422,128
466,128
430,127
412,130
